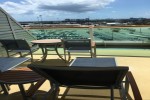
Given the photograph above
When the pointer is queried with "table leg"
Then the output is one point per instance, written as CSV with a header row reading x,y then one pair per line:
x,y
44,51
23,92
5,89
56,49
42,48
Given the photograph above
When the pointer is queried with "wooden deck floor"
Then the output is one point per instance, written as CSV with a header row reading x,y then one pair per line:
x,y
139,66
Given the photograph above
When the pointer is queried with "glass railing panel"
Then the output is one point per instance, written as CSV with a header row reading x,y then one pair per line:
x,y
102,35
122,34
61,33
99,34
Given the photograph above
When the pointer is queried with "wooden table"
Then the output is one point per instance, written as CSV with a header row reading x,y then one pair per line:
x,y
94,62
20,76
7,63
46,43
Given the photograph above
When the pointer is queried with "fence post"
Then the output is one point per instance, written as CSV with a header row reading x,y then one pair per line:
x,y
91,32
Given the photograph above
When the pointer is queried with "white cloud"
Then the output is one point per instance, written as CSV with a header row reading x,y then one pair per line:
x,y
53,7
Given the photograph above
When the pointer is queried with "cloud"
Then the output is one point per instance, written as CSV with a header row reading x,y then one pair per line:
x,y
51,7
16,8
68,7
84,6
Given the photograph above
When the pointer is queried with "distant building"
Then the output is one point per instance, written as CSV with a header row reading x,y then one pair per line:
x,y
113,24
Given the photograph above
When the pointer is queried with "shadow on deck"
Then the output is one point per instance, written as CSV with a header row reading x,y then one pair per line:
x,y
139,66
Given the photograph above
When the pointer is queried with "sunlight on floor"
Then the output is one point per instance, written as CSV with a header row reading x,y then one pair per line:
x,y
139,66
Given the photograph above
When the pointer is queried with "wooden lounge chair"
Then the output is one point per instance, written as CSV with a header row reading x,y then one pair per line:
x,y
78,46
81,77
17,46
130,82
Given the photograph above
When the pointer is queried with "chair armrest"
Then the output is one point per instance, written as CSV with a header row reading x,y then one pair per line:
x,y
34,48
134,87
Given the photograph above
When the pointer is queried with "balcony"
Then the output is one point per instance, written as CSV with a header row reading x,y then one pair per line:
x,y
136,59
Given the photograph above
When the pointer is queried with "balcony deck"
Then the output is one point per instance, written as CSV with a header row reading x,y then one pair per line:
x,y
139,66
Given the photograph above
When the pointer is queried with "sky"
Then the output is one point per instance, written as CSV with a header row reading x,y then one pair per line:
x,y
51,10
